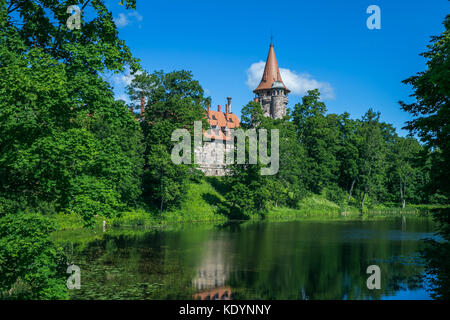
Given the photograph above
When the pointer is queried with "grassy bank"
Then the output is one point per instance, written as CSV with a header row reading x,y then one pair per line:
x,y
203,200
200,205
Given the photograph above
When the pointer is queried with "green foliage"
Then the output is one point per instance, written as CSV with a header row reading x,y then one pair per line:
x,y
318,133
432,114
65,144
32,267
360,162
133,218
165,182
317,204
405,170
174,101
246,193
372,153
432,106
91,196
201,203
67,221
335,194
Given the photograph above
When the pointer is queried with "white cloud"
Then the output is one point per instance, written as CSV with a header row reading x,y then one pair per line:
x,y
119,82
299,84
123,97
124,79
121,21
254,74
136,15
124,20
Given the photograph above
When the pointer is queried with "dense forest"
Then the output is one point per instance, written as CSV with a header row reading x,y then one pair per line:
x,y
67,146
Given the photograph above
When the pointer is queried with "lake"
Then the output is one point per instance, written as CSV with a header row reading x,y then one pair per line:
x,y
256,260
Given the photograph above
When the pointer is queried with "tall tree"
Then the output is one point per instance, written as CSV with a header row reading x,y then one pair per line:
x,y
432,106
174,101
432,111
347,155
405,152
371,153
318,133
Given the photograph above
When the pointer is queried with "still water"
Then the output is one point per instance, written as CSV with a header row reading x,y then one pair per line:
x,y
264,260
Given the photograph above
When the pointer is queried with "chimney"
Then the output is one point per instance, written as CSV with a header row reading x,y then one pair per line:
x,y
142,105
219,108
229,105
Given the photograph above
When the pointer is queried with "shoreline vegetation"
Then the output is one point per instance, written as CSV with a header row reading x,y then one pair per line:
x,y
198,208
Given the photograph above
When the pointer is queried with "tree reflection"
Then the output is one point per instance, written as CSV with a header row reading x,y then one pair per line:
x,y
437,255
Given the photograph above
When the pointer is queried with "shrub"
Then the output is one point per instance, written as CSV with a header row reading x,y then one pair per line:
x,y
31,265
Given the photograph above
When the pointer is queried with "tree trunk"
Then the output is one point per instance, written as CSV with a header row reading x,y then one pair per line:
x,y
351,190
363,198
401,193
162,194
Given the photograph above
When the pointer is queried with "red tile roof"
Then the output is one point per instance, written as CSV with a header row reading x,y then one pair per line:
x,y
221,120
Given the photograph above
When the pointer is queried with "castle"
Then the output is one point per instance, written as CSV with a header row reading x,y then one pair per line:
x,y
271,93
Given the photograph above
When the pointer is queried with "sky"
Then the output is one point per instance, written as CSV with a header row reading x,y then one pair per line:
x,y
322,44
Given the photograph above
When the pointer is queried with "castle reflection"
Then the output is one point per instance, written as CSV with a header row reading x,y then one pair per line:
x,y
212,273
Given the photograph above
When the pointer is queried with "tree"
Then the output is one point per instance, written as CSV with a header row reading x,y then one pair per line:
x,y
371,154
347,154
405,151
432,108
174,101
88,50
318,133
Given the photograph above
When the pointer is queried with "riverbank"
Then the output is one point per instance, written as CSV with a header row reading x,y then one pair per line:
x,y
203,202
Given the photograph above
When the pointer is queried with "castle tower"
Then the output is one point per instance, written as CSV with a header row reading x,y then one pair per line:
x,y
271,93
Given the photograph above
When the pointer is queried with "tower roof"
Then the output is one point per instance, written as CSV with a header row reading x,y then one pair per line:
x,y
271,73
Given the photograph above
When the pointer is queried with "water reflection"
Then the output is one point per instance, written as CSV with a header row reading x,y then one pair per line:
x,y
286,260
212,273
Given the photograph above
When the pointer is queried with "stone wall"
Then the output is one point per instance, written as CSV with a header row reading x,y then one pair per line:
x,y
274,106
212,157
279,106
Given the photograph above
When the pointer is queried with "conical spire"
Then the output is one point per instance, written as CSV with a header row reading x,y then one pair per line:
x,y
271,72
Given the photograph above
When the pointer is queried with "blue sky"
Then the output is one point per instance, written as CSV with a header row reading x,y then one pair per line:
x,y
319,43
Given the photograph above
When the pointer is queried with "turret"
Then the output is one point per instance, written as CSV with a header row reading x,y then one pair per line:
x,y
271,92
